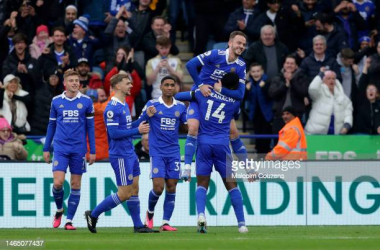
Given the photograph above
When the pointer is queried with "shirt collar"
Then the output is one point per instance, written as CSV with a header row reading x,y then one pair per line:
x,y
117,100
227,54
79,95
321,59
162,102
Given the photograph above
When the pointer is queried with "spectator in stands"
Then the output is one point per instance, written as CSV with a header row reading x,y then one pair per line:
x,y
51,10
367,118
11,146
291,139
140,25
331,111
118,36
100,101
149,40
317,59
50,87
162,65
125,62
366,9
20,63
57,55
6,34
350,21
71,13
350,74
142,148
309,9
374,69
87,80
367,45
40,42
267,52
81,43
289,88
287,20
13,104
27,20
259,106
335,38
248,19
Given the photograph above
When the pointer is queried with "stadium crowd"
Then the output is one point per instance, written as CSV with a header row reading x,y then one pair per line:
x,y
321,57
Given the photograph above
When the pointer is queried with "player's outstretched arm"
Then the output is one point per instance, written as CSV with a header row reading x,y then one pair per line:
x,y
236,94
116,133
192,66
185,96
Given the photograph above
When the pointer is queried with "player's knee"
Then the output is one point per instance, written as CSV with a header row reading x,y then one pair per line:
x,y
158,190
171,189
75,184
193,128
123,196
58,184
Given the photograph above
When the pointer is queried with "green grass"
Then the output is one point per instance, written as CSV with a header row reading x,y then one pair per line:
x,y
311,237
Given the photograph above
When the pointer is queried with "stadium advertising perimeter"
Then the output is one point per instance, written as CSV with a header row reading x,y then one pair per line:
x,y
319,197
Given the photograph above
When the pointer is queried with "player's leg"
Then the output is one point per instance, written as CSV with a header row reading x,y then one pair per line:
x,y
192,135
236,143
204,163
157,173
172,175
60,164
223,160
154,195
169,204
124,180
74,199
77,164
134,202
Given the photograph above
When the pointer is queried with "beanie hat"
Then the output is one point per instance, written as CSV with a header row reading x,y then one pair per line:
x,y
290,110
82,21
364,39
42,28
4,124
9,78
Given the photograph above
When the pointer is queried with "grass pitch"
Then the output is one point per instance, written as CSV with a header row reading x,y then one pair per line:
x,y
310,237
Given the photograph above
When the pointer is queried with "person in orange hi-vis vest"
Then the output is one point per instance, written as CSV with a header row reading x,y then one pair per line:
x,y
292,141
100,100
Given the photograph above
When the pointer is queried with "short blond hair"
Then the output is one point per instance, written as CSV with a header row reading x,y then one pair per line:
x,y
70,72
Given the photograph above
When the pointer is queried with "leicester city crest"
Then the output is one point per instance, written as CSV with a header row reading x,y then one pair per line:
x,y
155,170
191,111
79,105
176,114
55,163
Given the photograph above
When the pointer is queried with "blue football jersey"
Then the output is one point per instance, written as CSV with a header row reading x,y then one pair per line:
x,y
215,65
117,114
71,117
164,126
215,115
366,9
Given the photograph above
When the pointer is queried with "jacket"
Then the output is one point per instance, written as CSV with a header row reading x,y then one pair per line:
x,y
21,110
7,149
324,104
298,91
101,141
291,143
258,95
